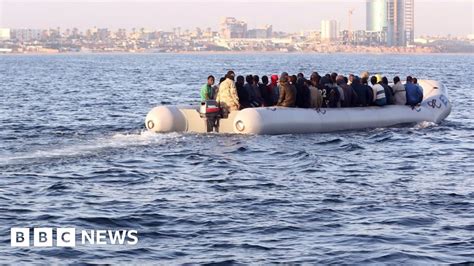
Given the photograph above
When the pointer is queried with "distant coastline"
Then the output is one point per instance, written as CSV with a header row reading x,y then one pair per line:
x,y
233,53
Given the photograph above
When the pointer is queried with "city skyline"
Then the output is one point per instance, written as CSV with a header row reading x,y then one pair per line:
x,y
167,15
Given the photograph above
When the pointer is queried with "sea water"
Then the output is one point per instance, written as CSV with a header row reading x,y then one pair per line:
x,y
74,153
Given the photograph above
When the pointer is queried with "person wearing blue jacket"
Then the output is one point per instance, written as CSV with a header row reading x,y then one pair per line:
x,y
414,93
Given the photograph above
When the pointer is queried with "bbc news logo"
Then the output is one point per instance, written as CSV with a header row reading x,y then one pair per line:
x,y
66,237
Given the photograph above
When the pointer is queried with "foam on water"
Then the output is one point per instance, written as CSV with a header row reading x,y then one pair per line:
x,y
93,146
425,124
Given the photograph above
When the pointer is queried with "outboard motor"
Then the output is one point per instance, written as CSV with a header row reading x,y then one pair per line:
x,y
211,113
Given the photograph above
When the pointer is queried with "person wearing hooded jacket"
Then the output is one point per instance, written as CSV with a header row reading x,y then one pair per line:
x,y
227,97
287,92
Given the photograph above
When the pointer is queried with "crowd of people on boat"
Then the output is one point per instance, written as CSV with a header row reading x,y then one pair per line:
x,y
328,91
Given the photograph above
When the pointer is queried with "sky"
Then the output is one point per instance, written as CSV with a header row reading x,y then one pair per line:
x,y
435,17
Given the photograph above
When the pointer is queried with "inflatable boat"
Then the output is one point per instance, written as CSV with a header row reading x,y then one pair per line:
x,y
282,120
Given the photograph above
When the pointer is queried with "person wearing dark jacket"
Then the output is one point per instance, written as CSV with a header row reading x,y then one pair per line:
x,y
249,87
350,97
330,92
388,90
265,92
273,89
333,77
287,92
242,93
365,82
303,96
364,95
293,79
414,93
323,89
257,91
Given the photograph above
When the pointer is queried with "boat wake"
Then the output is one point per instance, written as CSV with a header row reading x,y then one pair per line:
x,y
90,147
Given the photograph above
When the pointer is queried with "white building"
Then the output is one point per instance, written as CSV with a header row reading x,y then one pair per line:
x,y
4,34
329,31
26,35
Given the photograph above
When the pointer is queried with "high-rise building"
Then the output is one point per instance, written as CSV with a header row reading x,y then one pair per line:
x,y
410,21
232,28
329,30
395,17
376,15
400,22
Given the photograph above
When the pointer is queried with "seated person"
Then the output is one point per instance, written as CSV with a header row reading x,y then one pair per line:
x,y
266,92
399,93
207,91
379,91
242,93
388,90
350,97
315,93
363,92
303,95
287,92
414,93
330,92
227,98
